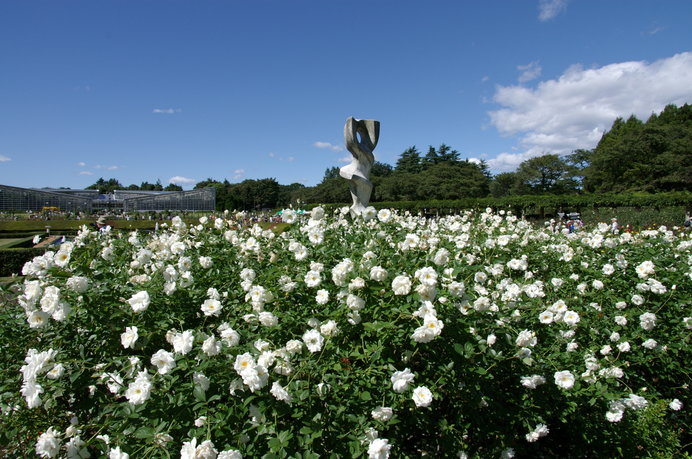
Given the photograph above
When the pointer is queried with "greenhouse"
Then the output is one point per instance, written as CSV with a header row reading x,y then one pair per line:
x,y
67,200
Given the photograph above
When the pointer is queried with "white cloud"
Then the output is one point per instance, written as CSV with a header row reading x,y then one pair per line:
x,y
238,174
345,159
288,159
529,71
85,173
179,180
4,158
167,111
559,116
548,9
508,162
655,29
108,168
328,145
81,164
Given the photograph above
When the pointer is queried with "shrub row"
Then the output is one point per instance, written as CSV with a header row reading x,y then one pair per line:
x,y
634,209
72,226
12,260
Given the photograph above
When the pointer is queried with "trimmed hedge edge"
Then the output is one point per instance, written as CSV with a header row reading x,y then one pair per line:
x,y
12,260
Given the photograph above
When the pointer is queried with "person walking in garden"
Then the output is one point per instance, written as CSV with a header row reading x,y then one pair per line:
x,y
101,224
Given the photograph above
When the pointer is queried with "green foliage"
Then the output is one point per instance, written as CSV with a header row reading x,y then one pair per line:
x,y
380,169
440,174
653,156
401,186
409,161
444,153
105,186
62,227
654,433
486,277
290,195
637,217
254,195
173,187
545,174
637,209
331,173
329,191
633,156
14,342
146,186
12,260
502,184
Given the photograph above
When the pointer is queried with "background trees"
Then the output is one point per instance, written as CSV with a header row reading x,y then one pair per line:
x,y
547,174
633,156
652,156
440,174
105,186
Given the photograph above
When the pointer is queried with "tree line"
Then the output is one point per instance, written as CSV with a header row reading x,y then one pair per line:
x,y
110,185
633,156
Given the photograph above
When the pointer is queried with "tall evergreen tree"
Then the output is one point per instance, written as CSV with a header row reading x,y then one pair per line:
x,y
409,161
652,156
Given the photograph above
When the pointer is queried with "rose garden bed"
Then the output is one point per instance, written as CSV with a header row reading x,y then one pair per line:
x,y
474,335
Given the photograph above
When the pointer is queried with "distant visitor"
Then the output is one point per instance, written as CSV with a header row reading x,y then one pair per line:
x,y
361,138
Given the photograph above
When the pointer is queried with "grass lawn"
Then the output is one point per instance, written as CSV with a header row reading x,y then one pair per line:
x,y
9,242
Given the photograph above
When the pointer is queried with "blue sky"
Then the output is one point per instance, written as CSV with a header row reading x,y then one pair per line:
x,y
181,91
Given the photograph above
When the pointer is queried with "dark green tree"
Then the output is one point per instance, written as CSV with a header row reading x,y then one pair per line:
x,y
330,173
503,184
381,169
146,186
255,194
652,156
613,155
400,186
207,183
332,190
443,153
290,194
409,161
453,180
223,198
546,174
105,186
579,161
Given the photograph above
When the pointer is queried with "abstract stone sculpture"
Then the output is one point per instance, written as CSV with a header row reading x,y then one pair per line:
x,y
361,139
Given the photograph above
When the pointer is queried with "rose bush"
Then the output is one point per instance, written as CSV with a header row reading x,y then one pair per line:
x,y
470,335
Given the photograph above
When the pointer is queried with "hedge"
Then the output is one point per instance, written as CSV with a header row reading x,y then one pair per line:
x,y
545,205
73,226
12,260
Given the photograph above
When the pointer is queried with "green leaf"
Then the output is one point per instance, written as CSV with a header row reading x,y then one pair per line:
x,y
144,432
199,394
